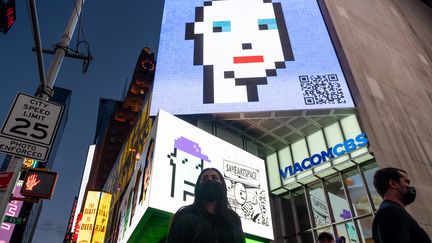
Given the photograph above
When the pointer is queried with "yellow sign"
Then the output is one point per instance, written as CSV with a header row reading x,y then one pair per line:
x,y
89,216
29,163
102,218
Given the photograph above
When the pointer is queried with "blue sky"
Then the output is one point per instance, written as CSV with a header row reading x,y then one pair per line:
x,y
116,31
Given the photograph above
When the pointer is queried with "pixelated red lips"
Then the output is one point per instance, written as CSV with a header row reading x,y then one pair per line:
x,y
248,59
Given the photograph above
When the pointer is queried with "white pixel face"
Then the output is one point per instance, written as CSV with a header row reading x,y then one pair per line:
x,y
234,40
186,172
239,43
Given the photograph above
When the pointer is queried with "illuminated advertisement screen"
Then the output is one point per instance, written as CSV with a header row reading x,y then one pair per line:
x,y
13,210
260,55
89,216
102,218
171,181
136,200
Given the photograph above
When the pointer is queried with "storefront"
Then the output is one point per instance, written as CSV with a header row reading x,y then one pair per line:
x,y
323,182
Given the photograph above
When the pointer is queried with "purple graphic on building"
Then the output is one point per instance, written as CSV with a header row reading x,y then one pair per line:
x,y
187,162
13,210
190,147
345,214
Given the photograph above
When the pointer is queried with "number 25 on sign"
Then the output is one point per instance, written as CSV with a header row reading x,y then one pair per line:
x,y
30,127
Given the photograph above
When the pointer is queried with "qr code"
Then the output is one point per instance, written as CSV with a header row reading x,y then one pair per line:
x,y
321,89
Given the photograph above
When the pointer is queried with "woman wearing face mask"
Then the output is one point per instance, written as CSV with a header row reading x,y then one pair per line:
x,y
209,219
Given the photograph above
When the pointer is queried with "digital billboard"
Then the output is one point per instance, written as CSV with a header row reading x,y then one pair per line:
x,y
13,210
136,200
172,159
259,55
89,216
102,218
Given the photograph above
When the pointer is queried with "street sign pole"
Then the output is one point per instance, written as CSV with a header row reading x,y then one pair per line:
x,y
62,47
45,88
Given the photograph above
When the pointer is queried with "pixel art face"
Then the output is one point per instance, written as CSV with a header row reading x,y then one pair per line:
x,y
187,163
239,43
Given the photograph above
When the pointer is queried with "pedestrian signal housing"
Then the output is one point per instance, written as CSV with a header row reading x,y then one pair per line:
x,y
39,183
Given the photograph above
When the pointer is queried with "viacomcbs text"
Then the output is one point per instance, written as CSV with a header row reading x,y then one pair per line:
x,y
337,150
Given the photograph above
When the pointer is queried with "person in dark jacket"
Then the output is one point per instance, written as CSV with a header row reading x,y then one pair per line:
x,y
209,219
392,223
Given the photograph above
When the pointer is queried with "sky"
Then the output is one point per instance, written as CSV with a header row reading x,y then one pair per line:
x,y
116,32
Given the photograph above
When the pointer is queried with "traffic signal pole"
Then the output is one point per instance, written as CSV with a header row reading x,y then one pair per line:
x,y
46,84
37,39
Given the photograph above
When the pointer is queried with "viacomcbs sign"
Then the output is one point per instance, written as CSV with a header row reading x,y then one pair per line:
x,y
339,149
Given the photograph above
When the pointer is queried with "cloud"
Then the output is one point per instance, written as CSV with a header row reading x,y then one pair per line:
x,y
48,227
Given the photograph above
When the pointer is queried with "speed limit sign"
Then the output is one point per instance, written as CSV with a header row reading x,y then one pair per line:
x,y
30,127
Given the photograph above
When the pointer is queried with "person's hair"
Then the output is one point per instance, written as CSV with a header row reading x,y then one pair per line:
x,y
325,236
383,176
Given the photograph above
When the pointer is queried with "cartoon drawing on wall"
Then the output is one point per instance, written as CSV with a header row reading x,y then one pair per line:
x,y
238,52
187,163
147,171
245,194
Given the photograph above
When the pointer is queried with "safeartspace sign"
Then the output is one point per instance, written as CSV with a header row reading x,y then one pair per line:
x,y
172,159
261,55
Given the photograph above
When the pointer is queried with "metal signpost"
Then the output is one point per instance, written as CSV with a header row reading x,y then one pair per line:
x,y
30,127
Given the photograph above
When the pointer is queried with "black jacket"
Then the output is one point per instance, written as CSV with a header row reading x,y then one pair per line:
x,y
188,226
393,224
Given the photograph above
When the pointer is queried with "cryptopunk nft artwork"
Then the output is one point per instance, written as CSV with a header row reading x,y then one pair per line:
x,y
176,152
238,52
187,163
247,56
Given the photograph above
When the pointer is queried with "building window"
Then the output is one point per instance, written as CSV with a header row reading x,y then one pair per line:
x,y
340,204
319,206
302,210
369,172
358,193
338,200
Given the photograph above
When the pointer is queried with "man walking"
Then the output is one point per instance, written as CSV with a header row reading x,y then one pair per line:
x,y
392,223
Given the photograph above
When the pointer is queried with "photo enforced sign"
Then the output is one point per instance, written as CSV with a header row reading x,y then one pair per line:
x,y
30,127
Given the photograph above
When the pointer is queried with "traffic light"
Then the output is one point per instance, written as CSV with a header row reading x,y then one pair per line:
x,y
7,15
39,183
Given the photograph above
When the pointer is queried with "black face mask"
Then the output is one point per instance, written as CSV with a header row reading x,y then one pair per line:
x,y
409,196
210,191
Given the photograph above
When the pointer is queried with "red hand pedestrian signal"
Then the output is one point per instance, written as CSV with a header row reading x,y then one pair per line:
x,y
39,183
31,182
7,15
